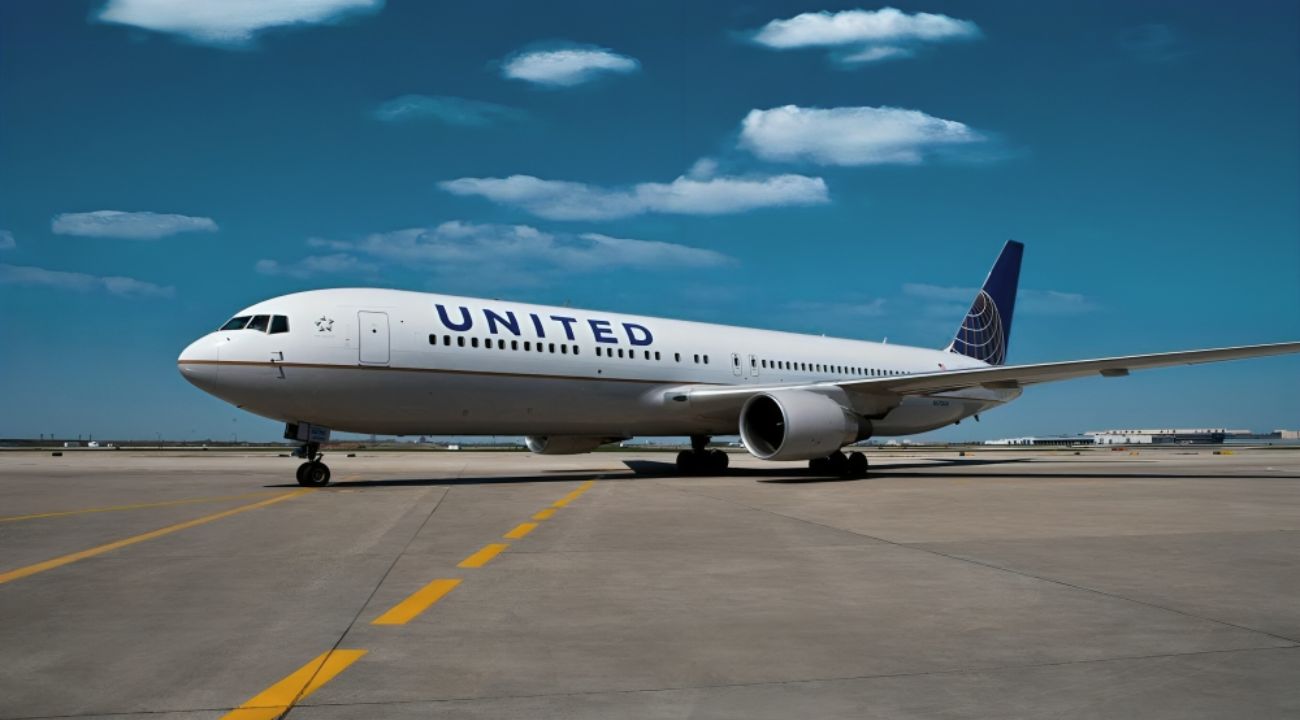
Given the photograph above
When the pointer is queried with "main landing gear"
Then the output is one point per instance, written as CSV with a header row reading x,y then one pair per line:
x,y
312,473
699,460
853,465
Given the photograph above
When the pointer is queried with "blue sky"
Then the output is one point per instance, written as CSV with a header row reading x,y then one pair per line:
x,y
836,168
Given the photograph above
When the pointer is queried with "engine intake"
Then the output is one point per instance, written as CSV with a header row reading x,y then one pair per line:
x,y
798,425
566,444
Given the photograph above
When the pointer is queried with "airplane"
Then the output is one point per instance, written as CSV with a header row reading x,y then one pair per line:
x,y
395,362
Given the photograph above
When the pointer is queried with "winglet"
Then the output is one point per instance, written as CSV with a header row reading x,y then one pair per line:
x,y
985,332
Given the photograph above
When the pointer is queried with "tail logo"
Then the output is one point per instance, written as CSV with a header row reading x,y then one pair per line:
x,y
981,335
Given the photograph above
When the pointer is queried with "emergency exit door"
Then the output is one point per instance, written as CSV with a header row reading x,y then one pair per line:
x,y
372,337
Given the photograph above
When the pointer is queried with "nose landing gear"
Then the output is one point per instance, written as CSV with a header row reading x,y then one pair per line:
x,y
312,473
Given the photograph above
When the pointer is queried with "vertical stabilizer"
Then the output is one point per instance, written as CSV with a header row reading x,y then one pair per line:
x,y
985,332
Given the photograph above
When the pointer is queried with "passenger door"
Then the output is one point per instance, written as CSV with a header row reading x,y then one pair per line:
x,y
372,337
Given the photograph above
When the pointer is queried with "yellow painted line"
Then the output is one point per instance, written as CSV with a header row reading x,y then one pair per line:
x,y
544,514
587,485
483,556
23,572
520,530
139,506
274,701
419,601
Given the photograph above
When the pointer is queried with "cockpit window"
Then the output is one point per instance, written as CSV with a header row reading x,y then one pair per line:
x,y
258,322
279,324
236,323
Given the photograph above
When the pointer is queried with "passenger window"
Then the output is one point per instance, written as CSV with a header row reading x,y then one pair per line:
x,y
552,348
259,323
564,349
706,359
677,357
620,352
575,349
656,354
279,324
460,341
528,345
514,344
236,323
433,339
473,342
446,340
697,359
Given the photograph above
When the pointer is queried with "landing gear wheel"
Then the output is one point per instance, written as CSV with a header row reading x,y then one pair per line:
x,y
313,474
857,466
819,466
687,463
718,461
837,464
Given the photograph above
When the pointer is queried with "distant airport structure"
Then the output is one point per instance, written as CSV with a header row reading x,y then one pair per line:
x,y
1156,436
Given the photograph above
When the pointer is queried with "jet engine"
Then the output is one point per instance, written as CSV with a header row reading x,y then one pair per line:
x,y
798,425
566,444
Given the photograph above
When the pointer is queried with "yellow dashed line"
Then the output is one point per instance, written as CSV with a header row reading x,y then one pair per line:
x,y
23,572
520,530
274,701
419,601
544,514
483,556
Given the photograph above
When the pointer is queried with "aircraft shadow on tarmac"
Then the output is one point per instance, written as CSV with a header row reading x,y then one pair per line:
x,y
647,469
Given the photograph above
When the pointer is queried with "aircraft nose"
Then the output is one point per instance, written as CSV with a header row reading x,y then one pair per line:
x,y
198,361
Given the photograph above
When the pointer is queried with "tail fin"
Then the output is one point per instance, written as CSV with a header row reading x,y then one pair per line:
x,y
985,333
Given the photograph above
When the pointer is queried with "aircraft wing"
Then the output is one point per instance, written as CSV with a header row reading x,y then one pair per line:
x,y
1010,376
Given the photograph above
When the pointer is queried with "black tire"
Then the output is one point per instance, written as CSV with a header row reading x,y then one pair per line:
x,y
857,465
302,473
317,474
686,462
837,464
819,466
718,461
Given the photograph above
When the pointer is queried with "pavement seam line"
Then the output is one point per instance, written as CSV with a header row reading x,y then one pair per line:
x,y
62,560
680,688
139,506
388,571
276,700
803,681
992,566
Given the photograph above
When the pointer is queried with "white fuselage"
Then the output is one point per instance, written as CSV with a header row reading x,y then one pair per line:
x,y
408,363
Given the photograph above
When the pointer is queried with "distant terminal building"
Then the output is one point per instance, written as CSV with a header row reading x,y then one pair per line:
x,y
1047,440
1167,436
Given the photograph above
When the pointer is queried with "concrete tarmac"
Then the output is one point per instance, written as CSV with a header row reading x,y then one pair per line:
x,y
1162,584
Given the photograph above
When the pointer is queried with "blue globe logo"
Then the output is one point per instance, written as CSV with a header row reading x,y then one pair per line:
x,y
981,335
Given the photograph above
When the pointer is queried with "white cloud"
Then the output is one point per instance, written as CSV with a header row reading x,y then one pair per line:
x,y
80,282
562,200
849,135
863,35
493,255
332,264
227,22
445,109
956,300
462,244
7,241
129,225
567,67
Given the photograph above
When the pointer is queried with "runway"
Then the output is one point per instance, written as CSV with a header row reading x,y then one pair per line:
x,y
1011,584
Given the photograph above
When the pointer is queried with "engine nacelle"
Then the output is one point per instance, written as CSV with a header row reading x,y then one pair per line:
x,y
565,444
798,425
